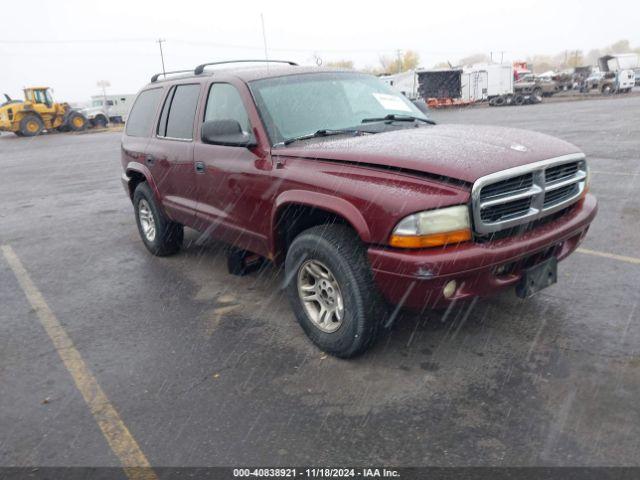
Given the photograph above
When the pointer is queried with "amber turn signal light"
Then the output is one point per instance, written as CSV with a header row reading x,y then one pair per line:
x,y
431,240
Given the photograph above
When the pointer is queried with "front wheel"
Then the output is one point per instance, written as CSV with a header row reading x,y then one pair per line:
x,y
100,122
76,121
331,290
31,125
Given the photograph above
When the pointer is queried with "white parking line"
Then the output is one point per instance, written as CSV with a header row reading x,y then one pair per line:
x,y
622,174
122,443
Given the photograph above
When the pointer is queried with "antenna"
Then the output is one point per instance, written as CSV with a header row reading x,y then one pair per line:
x,y
264,39
160,40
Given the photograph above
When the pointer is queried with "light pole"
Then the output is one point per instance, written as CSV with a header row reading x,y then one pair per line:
x,y
104,84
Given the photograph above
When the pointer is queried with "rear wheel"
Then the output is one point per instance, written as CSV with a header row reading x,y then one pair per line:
x,y
76,121
31,125
331,290
160,235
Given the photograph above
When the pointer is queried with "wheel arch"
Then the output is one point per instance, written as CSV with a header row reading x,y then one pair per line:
x,y
138,173
20,114
297,210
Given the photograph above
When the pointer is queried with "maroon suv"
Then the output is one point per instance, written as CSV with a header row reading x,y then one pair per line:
x,y
363,199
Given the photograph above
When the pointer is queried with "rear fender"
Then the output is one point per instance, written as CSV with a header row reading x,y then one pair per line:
x,y
135,167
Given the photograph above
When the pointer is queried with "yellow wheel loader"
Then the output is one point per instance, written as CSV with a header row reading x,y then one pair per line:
x,y
38,112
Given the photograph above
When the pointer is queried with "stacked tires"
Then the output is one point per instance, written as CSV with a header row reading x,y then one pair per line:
x,y
515,99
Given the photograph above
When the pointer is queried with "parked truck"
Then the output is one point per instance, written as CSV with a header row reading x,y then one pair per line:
x,y
367,212
618,72
108,108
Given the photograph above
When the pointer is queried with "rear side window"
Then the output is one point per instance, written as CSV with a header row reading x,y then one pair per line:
x,y
225,103
178,112
143,112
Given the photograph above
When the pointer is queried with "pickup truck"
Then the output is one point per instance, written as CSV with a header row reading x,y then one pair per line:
x,y
366,204
539,87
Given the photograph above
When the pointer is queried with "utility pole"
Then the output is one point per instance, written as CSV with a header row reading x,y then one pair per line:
x,y
160,41
399,53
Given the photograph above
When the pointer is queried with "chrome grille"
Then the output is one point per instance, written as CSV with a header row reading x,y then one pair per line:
x,y
509,185
524,194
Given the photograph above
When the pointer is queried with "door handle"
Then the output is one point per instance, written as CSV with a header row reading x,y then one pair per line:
x,y
150,159
199,167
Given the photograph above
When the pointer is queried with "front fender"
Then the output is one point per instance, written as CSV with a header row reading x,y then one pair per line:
x,y
322,201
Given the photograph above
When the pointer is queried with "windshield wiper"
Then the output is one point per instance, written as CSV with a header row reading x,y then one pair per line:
x,y
398,118
319,133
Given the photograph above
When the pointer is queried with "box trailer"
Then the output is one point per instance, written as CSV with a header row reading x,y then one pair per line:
x,y
475,85
404,82
499,78
440,84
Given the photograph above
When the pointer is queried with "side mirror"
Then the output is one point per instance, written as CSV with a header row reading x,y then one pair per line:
x,y
226,132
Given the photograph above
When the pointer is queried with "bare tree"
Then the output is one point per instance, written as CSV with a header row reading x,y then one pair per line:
x,y
402,62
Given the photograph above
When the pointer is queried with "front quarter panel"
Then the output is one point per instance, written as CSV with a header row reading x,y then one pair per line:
x,y
372,200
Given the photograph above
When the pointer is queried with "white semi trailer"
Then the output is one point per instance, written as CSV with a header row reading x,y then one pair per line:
x,y
485,81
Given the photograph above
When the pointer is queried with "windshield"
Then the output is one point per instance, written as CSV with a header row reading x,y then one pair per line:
x,y
297,105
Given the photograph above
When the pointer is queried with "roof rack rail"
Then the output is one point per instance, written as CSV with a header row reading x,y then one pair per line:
x,y
164,74
200,68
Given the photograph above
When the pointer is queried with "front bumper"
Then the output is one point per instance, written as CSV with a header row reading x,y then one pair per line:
x,y
416,278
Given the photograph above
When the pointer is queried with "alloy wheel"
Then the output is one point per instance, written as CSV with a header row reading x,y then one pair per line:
x,y
320,295
147,221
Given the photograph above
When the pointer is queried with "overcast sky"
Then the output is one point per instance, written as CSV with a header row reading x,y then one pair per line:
x,y
70,45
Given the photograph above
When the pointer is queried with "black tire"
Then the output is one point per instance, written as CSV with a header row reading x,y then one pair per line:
x,y
100,122
339,248
76,121
18,133
168,235
518,100
499,101
31,125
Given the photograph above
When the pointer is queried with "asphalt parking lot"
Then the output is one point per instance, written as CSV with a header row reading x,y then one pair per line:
x,y
204,368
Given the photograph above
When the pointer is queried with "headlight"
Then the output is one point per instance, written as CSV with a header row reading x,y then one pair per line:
x,y
433,228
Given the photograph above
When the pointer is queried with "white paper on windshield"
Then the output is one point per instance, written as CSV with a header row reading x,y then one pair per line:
x,y
391,102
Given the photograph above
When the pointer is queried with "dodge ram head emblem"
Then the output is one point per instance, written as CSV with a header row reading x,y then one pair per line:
x,y
518,148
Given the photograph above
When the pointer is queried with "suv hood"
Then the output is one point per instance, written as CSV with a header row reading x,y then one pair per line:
x,y
462,152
